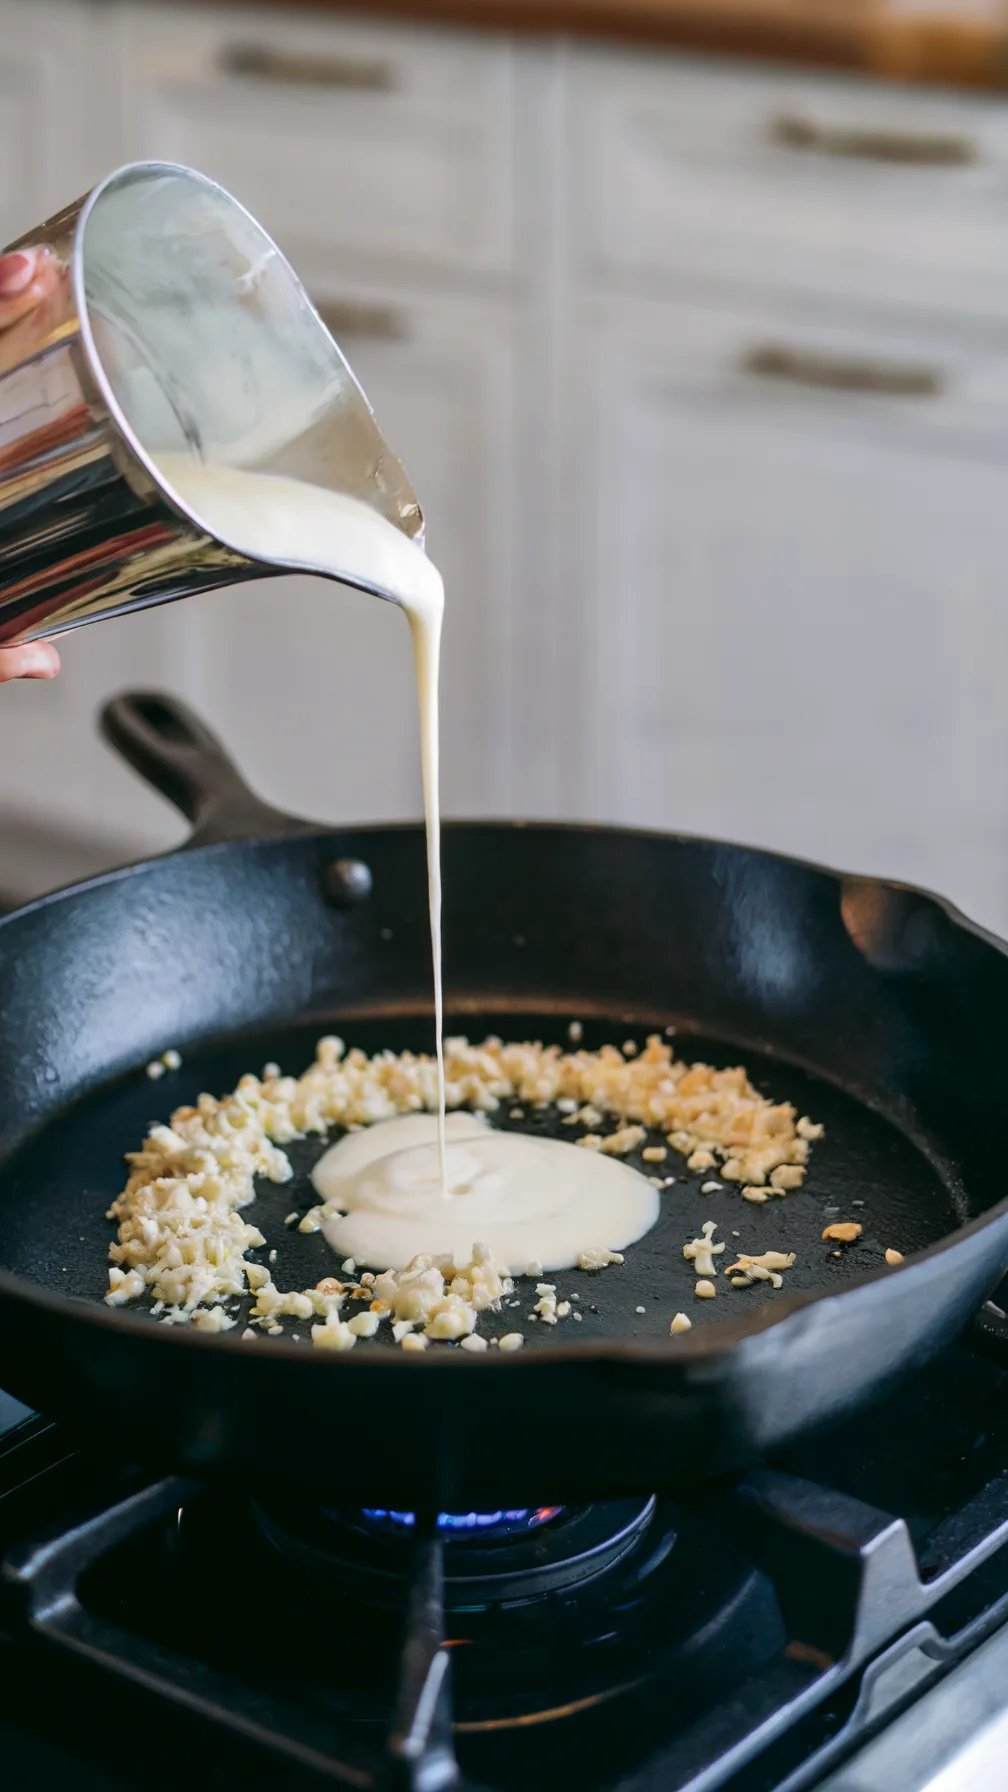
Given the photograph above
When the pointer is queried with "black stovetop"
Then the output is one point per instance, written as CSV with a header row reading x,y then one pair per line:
x,y
749,1638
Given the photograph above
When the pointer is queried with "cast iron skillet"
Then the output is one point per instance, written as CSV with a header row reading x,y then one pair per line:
x,y
877,1008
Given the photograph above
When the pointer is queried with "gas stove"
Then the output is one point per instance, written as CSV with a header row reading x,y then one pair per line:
x,y
836,1619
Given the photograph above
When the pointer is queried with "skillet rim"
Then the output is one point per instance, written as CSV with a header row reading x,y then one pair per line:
x,y
711,1342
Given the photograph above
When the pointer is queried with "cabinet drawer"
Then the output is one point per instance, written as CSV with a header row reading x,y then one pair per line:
x,y
832,186
791,628
765,363
387,144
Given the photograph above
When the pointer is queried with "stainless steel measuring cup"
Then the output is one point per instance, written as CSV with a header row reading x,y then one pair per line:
x,y
176,326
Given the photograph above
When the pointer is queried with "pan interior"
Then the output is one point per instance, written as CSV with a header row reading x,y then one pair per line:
x,y
54,1191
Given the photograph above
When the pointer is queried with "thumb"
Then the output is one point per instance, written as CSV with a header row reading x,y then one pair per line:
x,y
26,276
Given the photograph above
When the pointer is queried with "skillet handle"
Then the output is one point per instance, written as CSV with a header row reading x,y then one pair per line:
x,y
176,753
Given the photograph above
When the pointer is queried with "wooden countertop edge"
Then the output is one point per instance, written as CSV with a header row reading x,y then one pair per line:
x,y
847,34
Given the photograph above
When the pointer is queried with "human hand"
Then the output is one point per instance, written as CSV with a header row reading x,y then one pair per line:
x,y
26,277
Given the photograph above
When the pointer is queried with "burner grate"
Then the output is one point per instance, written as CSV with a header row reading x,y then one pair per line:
x,y
845,1611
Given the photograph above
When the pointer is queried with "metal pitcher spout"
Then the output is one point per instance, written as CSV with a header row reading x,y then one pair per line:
x,y
177,327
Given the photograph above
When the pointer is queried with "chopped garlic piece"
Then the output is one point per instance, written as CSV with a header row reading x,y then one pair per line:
x,y
787,1176
618,1144
705,1290
211,1319
844,1232
511,1341
124,1285
414,1341
598,1259
892,1256
364,1325
702,1251
335,1334
681,1324
765,1268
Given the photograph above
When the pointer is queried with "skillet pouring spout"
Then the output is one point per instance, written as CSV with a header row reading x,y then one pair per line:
x,y
872,1007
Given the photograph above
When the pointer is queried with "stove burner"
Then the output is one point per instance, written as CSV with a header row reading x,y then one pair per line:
x,y
493,1558
462,1525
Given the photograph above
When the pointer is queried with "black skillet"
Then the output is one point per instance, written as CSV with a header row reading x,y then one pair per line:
x,y
876,1008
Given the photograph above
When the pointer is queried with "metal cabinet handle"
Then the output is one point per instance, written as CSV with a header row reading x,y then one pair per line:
x,y
289,68
793,130
349,317
840,373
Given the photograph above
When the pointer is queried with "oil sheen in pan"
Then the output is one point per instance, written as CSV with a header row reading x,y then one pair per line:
x,y
55,1190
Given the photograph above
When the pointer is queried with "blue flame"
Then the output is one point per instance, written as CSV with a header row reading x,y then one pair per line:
x,y
522,1518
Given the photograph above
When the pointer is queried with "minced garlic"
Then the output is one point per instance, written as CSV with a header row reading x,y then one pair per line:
x,y
182,1240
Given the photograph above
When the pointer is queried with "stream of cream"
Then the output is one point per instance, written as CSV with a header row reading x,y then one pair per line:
x,y
285,521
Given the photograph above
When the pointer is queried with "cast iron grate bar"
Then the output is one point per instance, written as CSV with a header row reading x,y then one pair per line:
x,y
805,1536
421,1745
420,1754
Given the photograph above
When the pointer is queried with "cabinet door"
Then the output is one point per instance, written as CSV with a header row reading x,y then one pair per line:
x,y
797,633
313,684
390,142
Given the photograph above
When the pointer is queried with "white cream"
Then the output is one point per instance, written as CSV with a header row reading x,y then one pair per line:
x,y
528,1199
285,521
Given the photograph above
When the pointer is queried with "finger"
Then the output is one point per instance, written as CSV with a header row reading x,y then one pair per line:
x,y
26,277
33,659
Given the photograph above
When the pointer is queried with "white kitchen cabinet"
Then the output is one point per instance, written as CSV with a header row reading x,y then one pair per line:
x,y
794,628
